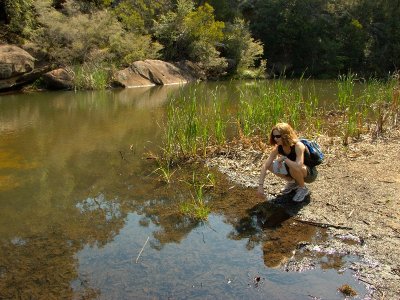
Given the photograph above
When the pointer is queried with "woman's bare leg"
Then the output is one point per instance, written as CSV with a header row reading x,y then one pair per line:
x,y
298,173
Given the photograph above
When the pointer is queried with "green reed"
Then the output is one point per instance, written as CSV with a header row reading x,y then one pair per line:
x,y
218,120
193,125
267,103
382,101
346,85
196,123
90,77
374,105
183,127
164,170
350,106
197,207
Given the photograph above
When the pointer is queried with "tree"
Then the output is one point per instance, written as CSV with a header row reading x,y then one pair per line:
x,y
382,23
138,15
224,10
301,35
193,34
241,46
19,16
103,40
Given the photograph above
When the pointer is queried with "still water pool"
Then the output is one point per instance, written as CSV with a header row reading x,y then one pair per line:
x,y
82,215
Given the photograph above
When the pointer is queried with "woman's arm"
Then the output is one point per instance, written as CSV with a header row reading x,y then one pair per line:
x,y
266,165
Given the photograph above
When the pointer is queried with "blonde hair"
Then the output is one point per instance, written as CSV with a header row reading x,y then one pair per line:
x,y
289,136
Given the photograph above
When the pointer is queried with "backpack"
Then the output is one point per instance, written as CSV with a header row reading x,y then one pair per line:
x,y
316,154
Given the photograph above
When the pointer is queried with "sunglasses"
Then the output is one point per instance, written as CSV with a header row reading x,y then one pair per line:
x,y
276,136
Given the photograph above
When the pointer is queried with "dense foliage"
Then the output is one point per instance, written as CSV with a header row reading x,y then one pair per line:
x,y
327,37
321,38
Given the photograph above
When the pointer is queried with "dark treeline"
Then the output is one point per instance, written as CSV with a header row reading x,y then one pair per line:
x,y
319,38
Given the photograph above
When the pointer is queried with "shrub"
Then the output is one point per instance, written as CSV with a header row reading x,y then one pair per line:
x,y
72,37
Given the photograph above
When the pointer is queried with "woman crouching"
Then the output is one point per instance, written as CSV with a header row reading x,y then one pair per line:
x,y
290,160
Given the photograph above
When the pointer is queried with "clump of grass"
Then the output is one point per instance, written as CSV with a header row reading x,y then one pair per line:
x,y
164,170
347,290
264,104
219,122
348,104
192,125
197,207
375,105
195,124
90,77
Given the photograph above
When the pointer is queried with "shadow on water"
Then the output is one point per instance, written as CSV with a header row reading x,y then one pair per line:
x,y
270,224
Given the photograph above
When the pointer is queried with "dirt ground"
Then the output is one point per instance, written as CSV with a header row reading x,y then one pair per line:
x,y
356,197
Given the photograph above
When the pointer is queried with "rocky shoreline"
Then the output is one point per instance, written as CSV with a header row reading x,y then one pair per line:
x,y
18,69
356,197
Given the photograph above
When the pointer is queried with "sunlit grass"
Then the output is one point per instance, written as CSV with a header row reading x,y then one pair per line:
x,y
198,121
164,170
90,77
197,207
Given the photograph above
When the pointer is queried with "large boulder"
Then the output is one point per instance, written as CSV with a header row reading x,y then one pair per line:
x,y
14,61
155,72
59,79
17,68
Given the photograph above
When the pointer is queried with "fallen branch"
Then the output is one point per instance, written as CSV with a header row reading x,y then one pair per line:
x,y
323,225
333,205
387,181
122,156
137,258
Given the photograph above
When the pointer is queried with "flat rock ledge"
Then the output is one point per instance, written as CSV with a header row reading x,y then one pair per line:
x,y
156,72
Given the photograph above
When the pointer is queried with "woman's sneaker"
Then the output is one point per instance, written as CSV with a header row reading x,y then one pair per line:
x,y
290,186
301,193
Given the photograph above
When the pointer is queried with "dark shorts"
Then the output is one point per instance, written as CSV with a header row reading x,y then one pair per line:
x,y
312,174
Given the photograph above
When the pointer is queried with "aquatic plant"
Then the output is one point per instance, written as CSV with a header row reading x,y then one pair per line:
x,y
90,77
164,170
347,290
197,207
266,103
195,124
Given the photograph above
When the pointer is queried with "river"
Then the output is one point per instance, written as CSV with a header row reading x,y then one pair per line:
x,y
82,215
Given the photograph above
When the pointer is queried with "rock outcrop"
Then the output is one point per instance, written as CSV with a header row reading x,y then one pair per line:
x,y
59,79
156,72
14,61
17,68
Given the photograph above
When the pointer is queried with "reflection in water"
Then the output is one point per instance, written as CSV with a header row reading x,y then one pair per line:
x,y
77,202
110,209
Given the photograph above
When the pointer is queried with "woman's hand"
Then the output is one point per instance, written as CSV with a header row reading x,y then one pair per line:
x,y
281,159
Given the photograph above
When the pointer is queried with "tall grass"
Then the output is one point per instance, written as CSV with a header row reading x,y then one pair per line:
x,y
199,120
197,207
269,102
375,105
193,124
185,132
347,102
90,77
